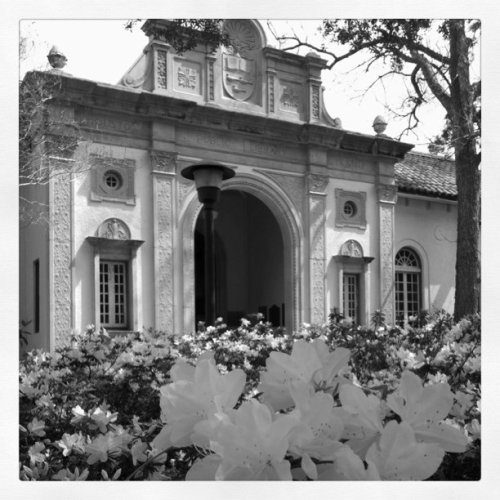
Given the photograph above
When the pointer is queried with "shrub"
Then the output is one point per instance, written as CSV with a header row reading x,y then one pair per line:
x,y
96,409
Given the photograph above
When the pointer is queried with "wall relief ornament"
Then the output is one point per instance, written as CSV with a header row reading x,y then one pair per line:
x,y
161,69
290,97
387,193
164,161
315,102
351,248
318,183
113,229
187,77
239,69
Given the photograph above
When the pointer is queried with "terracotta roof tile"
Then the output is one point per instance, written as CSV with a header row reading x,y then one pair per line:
x,y
426,174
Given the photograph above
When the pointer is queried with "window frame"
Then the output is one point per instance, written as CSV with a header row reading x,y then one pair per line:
x,y
408,275
112,274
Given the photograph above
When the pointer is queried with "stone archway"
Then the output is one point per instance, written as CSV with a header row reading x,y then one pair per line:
x,y
289,223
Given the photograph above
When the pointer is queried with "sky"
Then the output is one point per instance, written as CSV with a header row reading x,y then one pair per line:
x,y
103,50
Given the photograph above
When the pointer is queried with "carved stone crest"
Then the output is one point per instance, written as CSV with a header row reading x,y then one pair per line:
x,y
239,67
239,76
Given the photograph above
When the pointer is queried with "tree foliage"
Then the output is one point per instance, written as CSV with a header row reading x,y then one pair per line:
x,y
435,56
186,34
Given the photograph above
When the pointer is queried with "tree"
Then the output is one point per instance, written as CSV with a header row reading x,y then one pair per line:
x,y
436,58
43,132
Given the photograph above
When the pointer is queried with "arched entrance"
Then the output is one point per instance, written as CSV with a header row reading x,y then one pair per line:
x,y
250,262
289,222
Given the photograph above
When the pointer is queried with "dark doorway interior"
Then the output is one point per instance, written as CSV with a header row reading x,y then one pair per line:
x,y
249,261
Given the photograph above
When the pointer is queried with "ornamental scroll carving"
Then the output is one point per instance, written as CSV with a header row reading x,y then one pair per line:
x,y
387,193
60,225
113,229
164,161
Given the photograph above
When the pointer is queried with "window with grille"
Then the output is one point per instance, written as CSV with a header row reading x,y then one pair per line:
x,y
351,296
113,294
407,285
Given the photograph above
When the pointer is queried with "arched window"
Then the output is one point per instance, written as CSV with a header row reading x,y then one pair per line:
x,y
408,285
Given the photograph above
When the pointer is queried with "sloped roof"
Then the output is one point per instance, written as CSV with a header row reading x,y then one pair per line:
x,y
426,174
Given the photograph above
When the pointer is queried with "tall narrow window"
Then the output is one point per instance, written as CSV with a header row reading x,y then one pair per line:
x,y
36,296
407,285
351,296
113,294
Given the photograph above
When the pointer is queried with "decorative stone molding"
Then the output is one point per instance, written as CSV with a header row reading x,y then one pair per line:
x,y
315,108
112,179
113,229
163,252
60,251
317,257
387,193
386,217
270,89
210,77
318,183
163,162
161,69
350,208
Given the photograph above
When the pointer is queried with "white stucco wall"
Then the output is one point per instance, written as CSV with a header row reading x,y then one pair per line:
x,y
429,227
33,244
367,237
88,215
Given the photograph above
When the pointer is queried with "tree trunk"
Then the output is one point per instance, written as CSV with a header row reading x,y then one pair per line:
x,y
467,284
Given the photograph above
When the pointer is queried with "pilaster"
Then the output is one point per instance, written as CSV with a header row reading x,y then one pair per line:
x,y
163,170
317,185
60,248
387,197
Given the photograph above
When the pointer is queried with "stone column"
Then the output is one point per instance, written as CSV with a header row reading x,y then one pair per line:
x,y
163,169
317,246
60,248
387,196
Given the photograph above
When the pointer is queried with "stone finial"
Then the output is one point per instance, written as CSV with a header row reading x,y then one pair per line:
x,y
379,124
56,58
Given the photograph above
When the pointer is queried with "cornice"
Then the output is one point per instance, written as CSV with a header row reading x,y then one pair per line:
x,y
147,107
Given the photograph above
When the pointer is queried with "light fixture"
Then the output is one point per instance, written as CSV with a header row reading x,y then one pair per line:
x,y
208,177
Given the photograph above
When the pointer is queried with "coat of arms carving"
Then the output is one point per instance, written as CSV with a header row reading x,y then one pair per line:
x,y
239,76
239,66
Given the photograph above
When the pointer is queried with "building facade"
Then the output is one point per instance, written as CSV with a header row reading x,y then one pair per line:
x,y
316,218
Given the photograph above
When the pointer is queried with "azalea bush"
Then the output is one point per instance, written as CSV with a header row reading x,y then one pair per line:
x,y
329,402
